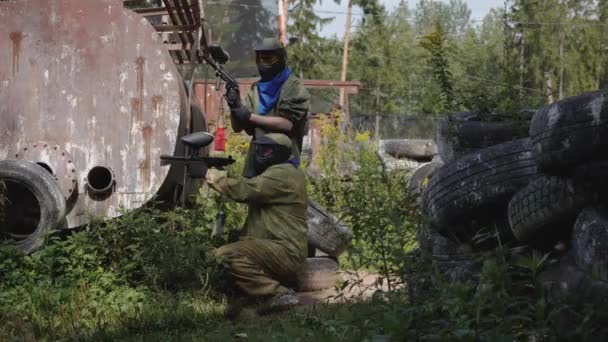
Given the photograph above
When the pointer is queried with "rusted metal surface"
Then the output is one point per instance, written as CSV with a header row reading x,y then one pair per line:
x,y
57,161
93,81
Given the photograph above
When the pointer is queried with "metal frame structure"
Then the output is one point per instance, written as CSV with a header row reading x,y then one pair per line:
x,y
186,23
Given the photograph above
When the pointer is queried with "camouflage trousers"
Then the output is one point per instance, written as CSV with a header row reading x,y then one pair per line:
x,y
259,267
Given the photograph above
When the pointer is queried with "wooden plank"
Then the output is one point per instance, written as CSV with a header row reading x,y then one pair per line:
x,y
175,28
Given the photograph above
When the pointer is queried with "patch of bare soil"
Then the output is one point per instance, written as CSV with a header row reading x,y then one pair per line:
x,y
355,285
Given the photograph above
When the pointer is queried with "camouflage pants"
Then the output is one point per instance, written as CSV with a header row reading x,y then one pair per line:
x,y
259,267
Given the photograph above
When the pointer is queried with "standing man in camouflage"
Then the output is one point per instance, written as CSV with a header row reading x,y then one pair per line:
x,y
277,103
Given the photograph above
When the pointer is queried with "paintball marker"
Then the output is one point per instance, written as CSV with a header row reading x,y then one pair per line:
x,y
197,166
215,58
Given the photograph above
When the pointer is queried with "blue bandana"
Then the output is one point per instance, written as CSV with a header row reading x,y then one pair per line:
x,y
294,161
269,91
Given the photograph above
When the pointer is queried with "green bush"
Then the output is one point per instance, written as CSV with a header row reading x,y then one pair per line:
x,y
374,202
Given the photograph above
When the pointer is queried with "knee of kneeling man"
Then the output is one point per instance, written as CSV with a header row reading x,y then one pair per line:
x,y
225,252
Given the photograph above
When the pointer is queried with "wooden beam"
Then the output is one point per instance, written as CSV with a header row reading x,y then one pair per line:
x,y
175,28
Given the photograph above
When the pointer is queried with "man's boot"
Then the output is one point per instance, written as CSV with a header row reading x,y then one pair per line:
x,y
280,302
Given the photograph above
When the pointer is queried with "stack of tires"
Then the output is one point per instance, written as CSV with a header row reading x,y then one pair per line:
x,y
486,163
328,238
544,190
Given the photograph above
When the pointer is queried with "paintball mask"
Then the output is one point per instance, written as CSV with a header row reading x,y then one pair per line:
x,y
270,58
271,149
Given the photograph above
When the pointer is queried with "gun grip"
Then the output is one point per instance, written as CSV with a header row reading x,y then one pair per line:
x,y
218,81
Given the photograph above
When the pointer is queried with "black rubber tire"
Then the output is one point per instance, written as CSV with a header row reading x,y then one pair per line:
x,y
595,173
590,242
464,133
325,231
449,257
410,148
420,177
318,273
565,280
571,132
544,211
46,191
478,186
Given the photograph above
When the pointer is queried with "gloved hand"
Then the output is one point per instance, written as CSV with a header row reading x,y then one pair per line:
x,y
241,115
233,97
213,176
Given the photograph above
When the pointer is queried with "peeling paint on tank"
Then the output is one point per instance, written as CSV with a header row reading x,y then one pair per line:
x,y
168,76
123,156
46,78
16,37
72,125
163,66
122,78
53,18
157,106
145,164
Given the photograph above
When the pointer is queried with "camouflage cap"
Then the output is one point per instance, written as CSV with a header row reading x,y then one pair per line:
x,y
269,44
274,139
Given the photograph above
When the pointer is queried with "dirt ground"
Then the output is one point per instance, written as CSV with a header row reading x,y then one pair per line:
x,y
360,285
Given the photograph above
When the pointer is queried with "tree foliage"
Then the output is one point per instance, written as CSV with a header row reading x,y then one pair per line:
x,y
524,54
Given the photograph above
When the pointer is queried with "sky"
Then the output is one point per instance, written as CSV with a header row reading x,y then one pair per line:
x,y
479,8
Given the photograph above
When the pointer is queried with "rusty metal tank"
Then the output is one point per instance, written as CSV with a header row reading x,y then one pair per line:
x,y
90,93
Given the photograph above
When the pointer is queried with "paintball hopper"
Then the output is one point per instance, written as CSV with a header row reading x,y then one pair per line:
x,y
219,55
197,140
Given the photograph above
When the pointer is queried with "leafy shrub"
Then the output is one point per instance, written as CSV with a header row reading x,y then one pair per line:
x,y
373,201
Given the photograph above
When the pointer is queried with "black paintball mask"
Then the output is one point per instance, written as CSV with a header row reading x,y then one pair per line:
x,y
271,149
270,58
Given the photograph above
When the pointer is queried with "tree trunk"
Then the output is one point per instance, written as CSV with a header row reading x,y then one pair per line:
x,y
561,66
345,61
